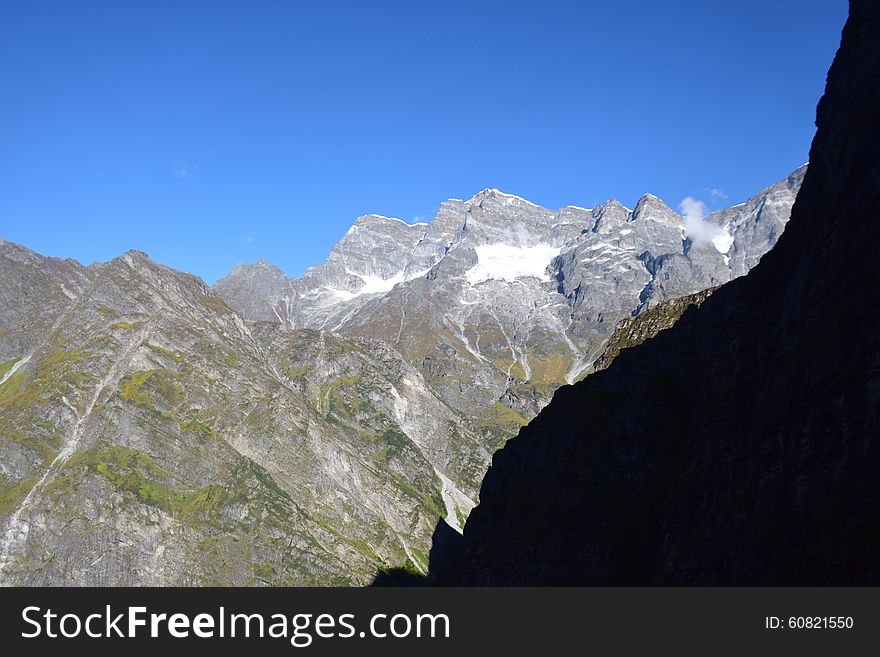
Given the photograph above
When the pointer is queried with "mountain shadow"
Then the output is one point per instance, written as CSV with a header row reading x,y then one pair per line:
x,y
446,551
742,446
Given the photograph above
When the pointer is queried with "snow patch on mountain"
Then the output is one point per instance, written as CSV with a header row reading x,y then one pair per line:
x,y
722,241
373,284
508,263
377,284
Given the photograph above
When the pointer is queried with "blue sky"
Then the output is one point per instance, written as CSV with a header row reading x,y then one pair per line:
x,y
212,133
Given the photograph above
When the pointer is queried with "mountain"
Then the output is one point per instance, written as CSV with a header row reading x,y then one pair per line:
x,y
311,431
740,446
151,429
500,301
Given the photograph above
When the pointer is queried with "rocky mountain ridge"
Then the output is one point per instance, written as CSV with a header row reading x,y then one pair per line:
x,y
498,298
309,431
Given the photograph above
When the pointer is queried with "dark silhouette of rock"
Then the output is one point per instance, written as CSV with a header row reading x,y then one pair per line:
x,y
741,446
444,558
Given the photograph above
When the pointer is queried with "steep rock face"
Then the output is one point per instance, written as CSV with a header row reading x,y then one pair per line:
x,y
497,301
34,294
152,431
740,446
371,258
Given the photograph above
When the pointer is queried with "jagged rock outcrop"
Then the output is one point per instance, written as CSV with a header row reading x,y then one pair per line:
x,y
742,445
35,292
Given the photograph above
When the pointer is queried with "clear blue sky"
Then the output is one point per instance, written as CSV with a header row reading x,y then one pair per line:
x,y
211,133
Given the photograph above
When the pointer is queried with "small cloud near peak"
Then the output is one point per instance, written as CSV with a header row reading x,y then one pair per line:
x,y
716,194
700,231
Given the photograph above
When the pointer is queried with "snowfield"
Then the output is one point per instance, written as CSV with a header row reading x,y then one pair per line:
x,y
506,262
373,284
722,241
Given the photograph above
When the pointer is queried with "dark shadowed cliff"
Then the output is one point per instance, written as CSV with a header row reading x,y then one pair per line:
x,y
741,446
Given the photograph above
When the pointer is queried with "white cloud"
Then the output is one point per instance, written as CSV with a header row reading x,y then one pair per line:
x,y
716,194
183,170
700,231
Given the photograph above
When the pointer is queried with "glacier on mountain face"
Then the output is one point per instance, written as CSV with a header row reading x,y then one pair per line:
x,y
506,262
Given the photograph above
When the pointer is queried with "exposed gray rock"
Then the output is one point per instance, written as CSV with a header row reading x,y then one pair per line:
x,y
500,298
311,430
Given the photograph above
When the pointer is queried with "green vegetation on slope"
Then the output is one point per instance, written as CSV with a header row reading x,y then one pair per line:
x,y
5,367
633,331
